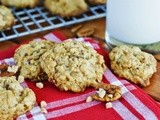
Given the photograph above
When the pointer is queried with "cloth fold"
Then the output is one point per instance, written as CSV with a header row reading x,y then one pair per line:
x,y
133,105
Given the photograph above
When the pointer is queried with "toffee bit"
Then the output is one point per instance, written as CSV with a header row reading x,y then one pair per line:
x,y
89,99
108,105
43,104
39,85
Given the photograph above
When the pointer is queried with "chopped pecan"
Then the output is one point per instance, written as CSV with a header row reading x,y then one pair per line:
x,y
3,67
85,32
76,28
6,73
4,70
112,93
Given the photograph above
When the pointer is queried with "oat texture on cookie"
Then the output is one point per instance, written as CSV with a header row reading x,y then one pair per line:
x,y
20,3
133,64
73,66
14,99
66,8
27,58
6,18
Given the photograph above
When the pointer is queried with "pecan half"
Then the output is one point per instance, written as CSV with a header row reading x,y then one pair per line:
x,y
112,93
4,70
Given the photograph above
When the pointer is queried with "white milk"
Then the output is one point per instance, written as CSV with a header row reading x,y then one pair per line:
x,y
134,21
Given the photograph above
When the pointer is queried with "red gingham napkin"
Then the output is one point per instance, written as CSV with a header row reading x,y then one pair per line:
x,y
133,105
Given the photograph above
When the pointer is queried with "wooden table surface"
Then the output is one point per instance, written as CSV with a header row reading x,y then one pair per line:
x,y
99,34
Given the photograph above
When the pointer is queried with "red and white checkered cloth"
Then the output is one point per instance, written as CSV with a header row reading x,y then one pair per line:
x,y
133,105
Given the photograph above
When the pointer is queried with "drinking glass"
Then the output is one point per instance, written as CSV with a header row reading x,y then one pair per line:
x,y
135,22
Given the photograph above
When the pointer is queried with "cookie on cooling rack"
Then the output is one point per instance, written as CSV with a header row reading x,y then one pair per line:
x,y
66,8
96,2
6,18
73,66
20,3
133,64
27,58
14,100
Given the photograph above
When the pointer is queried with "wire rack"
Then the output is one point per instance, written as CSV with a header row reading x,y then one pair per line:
x,y
29,21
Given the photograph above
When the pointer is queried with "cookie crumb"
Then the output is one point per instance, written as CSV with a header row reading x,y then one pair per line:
x,y
43,110
43,104
39,85
12,69
89,99
108,105
20,79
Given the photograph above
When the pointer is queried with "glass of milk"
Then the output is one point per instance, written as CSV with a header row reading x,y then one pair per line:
x,y
133,21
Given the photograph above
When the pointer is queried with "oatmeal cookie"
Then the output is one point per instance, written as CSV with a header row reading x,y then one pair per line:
x,y
20,3
73,66
14,100
95,2
6,18
66,8
133,64
27,58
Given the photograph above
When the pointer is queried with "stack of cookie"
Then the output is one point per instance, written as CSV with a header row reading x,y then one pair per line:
x,y
70,65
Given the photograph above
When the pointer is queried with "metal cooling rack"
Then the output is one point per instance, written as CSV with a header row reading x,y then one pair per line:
x,y
29,21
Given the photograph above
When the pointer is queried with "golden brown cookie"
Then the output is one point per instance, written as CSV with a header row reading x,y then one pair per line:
x,y
14,100
20,3
107,92
96,2
73,66
27,58
66,8
6,18
133,64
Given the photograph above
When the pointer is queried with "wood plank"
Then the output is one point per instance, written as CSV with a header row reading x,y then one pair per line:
x,y
154,88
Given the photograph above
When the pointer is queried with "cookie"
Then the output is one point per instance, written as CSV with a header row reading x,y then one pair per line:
x,y
27,58
73,66
20,3
6,18
107,93
14,100
133,64
96,2
66,8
